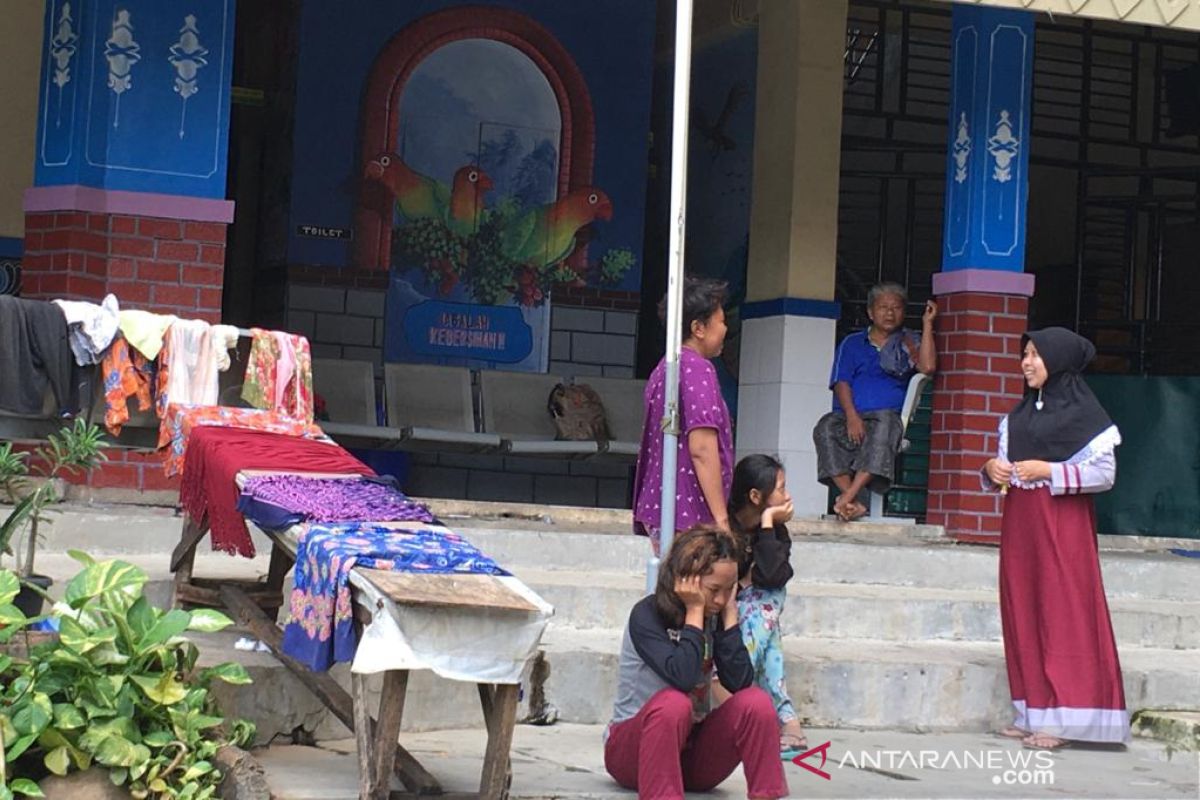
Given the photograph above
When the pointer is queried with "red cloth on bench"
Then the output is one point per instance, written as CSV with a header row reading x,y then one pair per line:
x,y
216,455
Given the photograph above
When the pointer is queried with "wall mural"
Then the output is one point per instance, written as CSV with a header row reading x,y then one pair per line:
x,y
494,166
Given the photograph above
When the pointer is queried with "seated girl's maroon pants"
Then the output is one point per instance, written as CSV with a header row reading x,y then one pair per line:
x,y
661,752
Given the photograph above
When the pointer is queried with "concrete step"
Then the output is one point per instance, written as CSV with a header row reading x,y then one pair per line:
x,y
589,599
909,686
823,552
866,611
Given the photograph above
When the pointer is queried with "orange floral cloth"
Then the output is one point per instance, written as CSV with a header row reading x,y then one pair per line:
x,y
127,373
181,420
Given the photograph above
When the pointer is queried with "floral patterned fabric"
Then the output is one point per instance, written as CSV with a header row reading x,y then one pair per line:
x,y
127,373
180,420
321,628
758,618
279,374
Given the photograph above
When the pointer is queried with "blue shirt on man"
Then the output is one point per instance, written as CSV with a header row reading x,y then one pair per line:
x,y
856,362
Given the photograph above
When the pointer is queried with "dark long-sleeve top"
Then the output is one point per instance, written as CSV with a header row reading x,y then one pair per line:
x,y
767,559
654,658
35,352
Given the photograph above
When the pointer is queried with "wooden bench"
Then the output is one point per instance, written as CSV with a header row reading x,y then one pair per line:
x,y
255,605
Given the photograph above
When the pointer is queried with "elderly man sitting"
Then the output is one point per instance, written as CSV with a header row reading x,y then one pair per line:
x,y
858,441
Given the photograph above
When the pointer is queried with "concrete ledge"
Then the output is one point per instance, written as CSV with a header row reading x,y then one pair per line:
x,y
1180,729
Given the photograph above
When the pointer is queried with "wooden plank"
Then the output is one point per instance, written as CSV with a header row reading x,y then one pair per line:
x,y
415,777
368,788
387,729
185,551
461,591
501,716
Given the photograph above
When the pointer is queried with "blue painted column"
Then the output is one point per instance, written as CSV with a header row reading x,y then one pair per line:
x,y
135,95
131,154
987,169
983,289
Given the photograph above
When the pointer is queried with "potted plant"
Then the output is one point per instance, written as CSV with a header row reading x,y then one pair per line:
x,y
119,688
76,449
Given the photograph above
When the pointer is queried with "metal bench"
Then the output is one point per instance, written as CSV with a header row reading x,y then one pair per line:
x,y
514,407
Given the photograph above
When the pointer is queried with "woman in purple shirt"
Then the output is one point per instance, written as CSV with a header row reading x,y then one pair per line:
x,y
705,460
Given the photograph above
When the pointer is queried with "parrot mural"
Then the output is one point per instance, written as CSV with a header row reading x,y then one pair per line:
x,y
417,196
545,235
466,200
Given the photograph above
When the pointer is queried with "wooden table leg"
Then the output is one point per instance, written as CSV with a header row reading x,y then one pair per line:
x,y
183,559
500,712
365,742
414,776
387,728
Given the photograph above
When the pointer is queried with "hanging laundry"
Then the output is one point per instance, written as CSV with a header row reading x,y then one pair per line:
x,y
216,455
279,374
321,628
92,327
145,331
35,354
127,373
197,352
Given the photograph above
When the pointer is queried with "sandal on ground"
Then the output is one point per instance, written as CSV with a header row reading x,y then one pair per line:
x,y
1044,741
792,745
1013,732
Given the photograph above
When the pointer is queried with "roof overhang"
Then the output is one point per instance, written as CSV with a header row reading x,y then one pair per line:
x,y
1181,15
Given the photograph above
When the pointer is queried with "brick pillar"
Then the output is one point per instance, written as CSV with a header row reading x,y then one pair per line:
x,y
978,382
164,265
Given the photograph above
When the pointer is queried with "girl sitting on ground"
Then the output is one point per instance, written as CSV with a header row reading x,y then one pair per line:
x,y
663,737
759,507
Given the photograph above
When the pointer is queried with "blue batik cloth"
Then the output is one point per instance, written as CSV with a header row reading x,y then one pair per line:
x,y
321,629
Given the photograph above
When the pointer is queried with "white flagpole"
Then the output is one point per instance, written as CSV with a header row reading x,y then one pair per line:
x,y
675,271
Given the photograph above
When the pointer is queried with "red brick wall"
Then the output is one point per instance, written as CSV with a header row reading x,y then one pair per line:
x,y
163,265
978,382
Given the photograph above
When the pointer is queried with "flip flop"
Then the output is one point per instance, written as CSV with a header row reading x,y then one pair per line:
x,y
1030,742
797,745
1013,732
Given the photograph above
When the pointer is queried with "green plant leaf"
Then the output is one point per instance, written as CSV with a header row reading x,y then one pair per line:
x,y
58,761
5,793
34,716
207,620
163,689
117,751
157,785
106,655
80,639
197,770
141,617
118,776
171,624
10,586
18,747
81,557
26,787
158,739
67,717
229,672
102,578
11,615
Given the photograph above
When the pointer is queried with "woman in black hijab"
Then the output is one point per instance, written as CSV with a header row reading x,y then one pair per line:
x,y
1057,448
